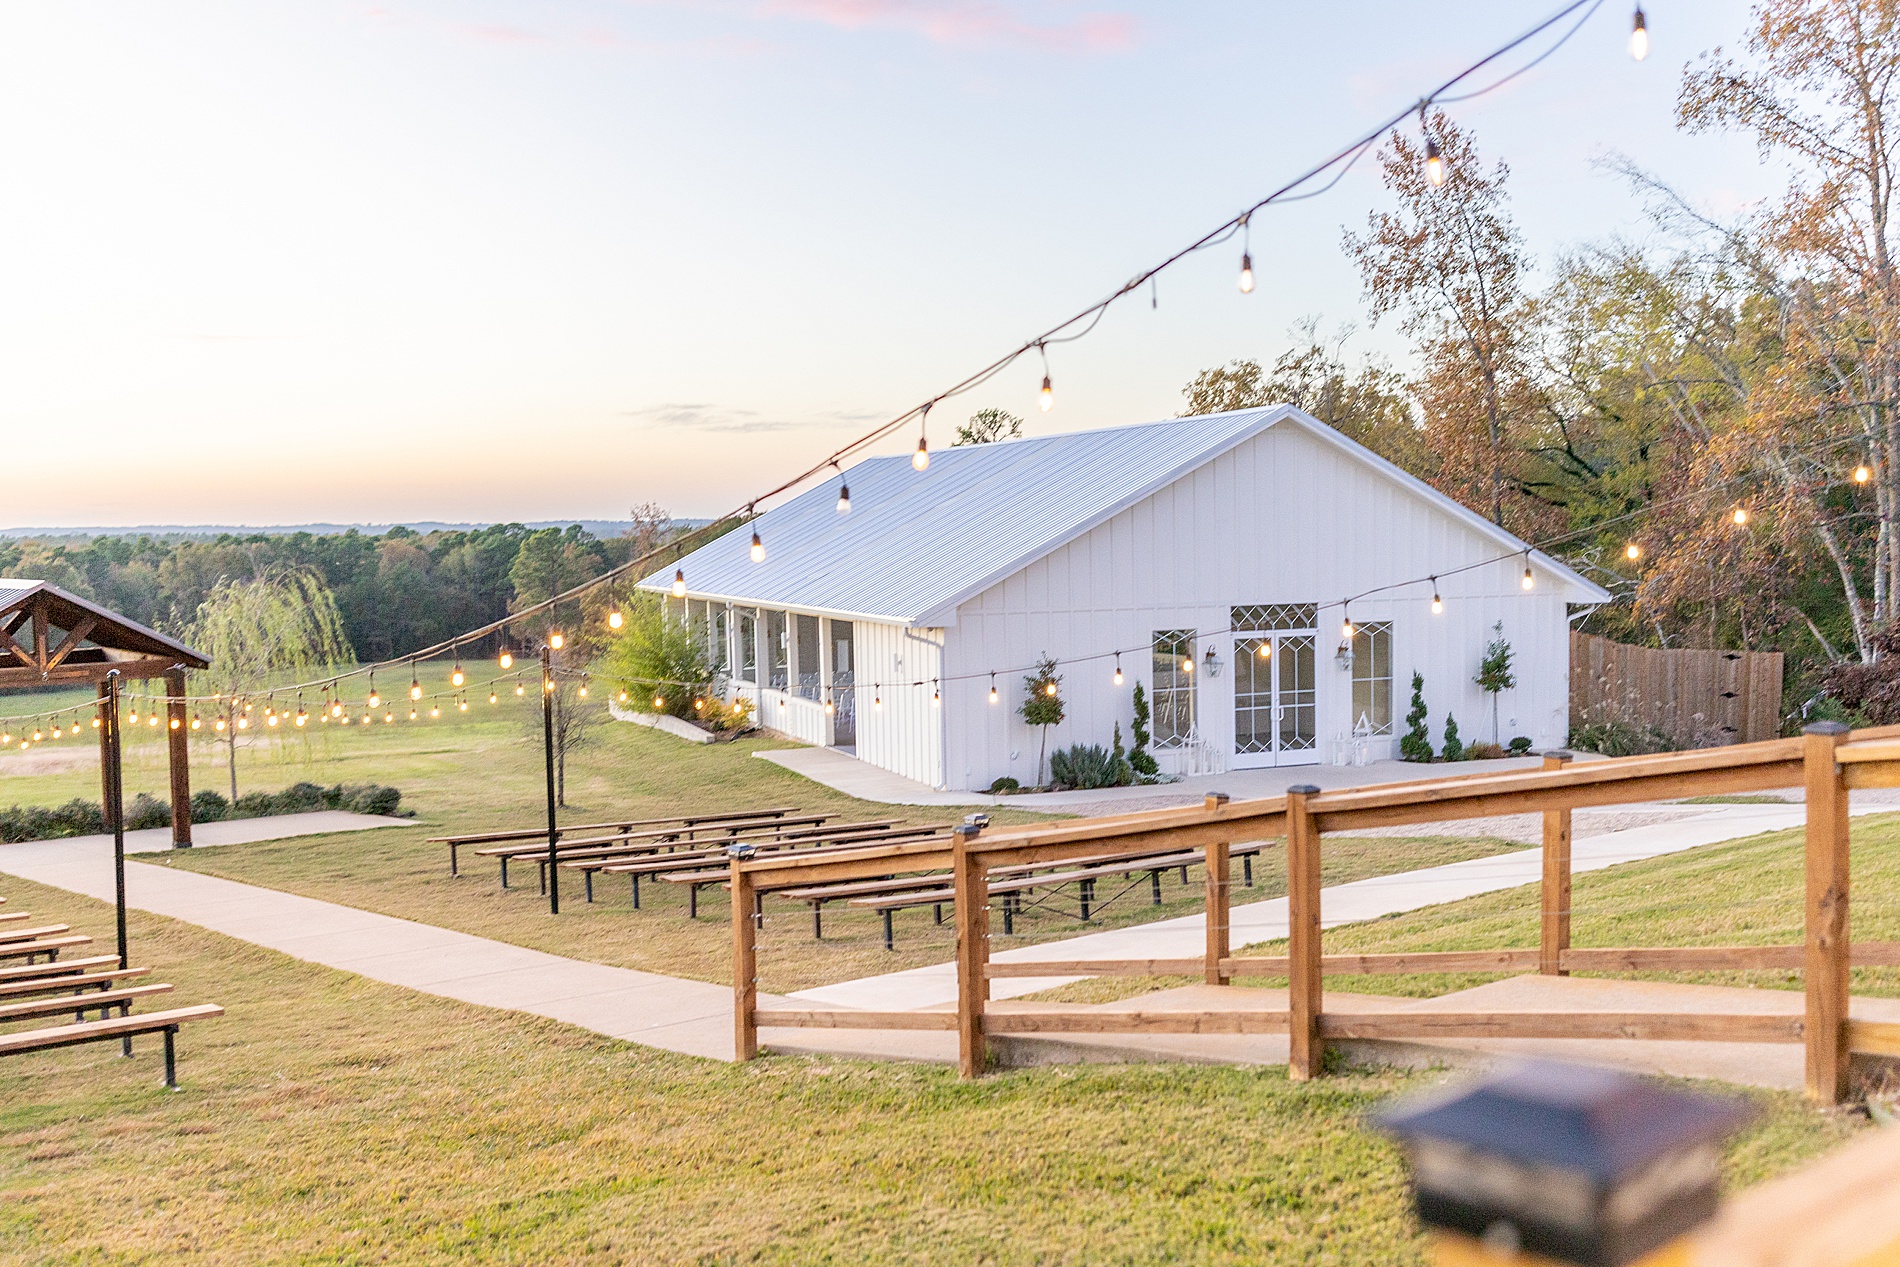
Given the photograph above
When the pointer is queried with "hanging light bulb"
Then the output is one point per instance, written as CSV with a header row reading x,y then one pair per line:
x,y
1740,517
303,718
135,714
457,677
507,660
463,705
415,685
1187,664
659,701
435,710
1118,668
271,720
175,724
583,690
547,683
492,697
920,460
1639,36
844,498
993,696
936,697
412,714
1438,604
1266,648
1046,398
389,719
1049,688
336,709
557,641
1862,473
758,547
623,697
36,735
679,582
1345,627
218,723
1434,163
374,699
615,619
95,723
1529,581
520,689
1246,254
877,702
1632,552
829,709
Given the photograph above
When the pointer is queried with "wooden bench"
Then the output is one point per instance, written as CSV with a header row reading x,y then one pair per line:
x,y
80,1004
595,855
35,971
1011,889
119,1027
72,981
698,876
48,946
712,863
28,934
619,825
538,851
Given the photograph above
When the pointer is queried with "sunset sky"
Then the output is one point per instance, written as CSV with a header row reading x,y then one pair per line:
x,y
272,263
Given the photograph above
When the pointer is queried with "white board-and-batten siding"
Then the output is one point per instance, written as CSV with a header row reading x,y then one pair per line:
x,y
1283,517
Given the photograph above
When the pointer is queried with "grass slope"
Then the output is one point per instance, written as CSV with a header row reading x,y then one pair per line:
x,y
330,1119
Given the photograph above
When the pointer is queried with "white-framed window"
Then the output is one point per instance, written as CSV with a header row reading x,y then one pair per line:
x,y
749,645
1372,678
720,647
1172,706
778,649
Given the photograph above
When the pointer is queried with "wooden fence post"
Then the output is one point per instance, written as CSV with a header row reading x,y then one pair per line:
x,y
1826,959
1554,924
745,968
1304,1049
1219,876
973,951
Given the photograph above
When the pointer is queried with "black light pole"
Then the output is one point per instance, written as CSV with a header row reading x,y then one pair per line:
x,y
115,804
547,746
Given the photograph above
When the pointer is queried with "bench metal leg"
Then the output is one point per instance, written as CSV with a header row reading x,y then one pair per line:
x,y
817,922
543,868
937,912
887,930
1154,882
1246,869
1088,898
692,901
1009,913
636,890
504,871
758,910
171,1057
453,870
1184,875
590,886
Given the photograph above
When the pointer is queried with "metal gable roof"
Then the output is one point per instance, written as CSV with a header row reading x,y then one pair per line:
x,y
916,545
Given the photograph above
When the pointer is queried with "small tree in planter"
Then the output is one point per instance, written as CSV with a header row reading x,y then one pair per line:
x,y
1042,705
1454,746
1139,758
1416,743
1494,672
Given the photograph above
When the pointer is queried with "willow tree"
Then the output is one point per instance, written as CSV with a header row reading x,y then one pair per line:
x,y
280,625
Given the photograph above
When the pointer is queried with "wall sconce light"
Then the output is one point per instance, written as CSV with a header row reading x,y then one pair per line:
x,y
1343,656
1214,663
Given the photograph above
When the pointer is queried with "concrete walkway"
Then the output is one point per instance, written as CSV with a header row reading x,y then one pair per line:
x,y
644,1007
1185,937
237,831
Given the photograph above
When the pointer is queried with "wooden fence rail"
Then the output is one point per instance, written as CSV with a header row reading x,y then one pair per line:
x,y
1826,760
1697,698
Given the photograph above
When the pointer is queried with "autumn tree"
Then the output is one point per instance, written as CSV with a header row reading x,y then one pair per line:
x,y
1448,263
987,426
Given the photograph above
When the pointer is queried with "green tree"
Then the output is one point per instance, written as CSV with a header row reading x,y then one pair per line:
x,y
1454,746
282,624
1042,705
987,426
1494,672
1139,758
553,561
660,659
1416,743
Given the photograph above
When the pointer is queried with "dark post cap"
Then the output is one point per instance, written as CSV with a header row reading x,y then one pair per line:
x,y
1824,728
968,831
1304,789
1217,799
1562,754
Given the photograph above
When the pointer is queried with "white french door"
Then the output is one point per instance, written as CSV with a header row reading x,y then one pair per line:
x,y
1276,699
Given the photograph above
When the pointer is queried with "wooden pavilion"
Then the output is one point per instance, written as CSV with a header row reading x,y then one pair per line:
x,y
74,642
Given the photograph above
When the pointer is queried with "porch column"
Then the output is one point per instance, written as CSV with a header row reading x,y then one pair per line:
x,y
178,758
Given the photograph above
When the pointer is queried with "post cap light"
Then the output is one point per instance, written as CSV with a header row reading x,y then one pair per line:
x,y
1579,1165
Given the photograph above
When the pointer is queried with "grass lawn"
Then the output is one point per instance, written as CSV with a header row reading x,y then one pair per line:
x,y
332,1119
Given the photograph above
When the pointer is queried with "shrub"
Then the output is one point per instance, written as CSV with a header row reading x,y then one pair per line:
x,y
1454,747
299,798
1416,743
1521,746
660,657
253,805
1042,703
1483,751
1005,784
1620,739
209,807
727,715
1082,766
147,811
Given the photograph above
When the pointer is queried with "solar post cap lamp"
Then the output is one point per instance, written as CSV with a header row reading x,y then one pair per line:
x,y
1549,1163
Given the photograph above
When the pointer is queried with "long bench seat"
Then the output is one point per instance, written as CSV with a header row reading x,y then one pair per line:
x,y
70,981
618,825
118,1027
48,946
79,1004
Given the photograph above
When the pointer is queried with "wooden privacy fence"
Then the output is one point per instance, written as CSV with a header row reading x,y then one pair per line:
x,y
1827,760
1697,698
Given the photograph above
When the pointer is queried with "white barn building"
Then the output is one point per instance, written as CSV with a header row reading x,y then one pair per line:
x,y
1225,540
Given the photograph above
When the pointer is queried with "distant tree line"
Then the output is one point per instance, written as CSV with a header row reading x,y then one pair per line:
x,y
393,592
